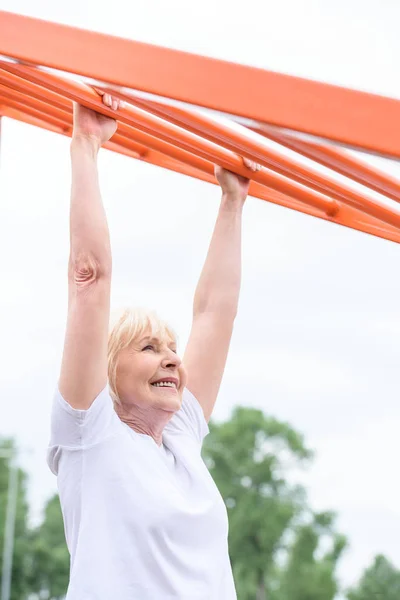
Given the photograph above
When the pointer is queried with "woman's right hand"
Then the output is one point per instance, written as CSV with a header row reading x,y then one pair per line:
x,y
93,126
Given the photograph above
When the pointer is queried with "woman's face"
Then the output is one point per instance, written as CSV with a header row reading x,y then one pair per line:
x,y
151,375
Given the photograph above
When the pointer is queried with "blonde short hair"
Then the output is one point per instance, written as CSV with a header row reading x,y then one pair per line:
x,y
126,326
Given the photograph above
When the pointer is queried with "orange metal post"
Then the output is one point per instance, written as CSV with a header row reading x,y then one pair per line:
x,y
350,117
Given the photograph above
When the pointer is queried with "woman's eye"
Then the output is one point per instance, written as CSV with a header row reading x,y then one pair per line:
x,y
149,347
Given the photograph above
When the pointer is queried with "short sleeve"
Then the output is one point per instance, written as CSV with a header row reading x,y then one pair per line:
x,y
74,429
189,419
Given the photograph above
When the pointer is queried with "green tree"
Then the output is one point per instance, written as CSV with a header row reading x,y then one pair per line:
x,y
19,580
50,557
381,581
250,458
309,573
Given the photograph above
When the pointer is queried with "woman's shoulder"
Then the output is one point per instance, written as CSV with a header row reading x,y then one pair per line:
x,y
189,419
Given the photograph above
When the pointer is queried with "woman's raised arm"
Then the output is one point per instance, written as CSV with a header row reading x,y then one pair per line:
x,y
217,294
84,363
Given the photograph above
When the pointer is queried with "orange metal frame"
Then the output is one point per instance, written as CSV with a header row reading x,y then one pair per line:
x,y
157,128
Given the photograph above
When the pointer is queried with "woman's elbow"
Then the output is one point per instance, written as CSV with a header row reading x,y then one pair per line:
x,y
87,268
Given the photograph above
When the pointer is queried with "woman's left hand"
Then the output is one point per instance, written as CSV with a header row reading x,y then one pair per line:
x,y
233,185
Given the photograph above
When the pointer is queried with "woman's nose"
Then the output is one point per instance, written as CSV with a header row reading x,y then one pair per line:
x,y
171,359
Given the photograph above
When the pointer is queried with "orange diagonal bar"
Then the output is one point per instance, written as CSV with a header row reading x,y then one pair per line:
x,y
172,134
17,105
26,101
337,159
198,167
40,93
34,116
18,97
371,207
349,217
237,142
45,100
358,119
9,79
21,115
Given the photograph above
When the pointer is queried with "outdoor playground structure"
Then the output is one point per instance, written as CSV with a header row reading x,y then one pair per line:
x,y
160,122
171,118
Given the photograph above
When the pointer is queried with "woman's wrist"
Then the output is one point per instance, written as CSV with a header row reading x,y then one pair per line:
x,y
83,143
232,202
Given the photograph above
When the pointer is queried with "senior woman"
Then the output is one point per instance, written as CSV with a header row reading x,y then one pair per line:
x,y
143,518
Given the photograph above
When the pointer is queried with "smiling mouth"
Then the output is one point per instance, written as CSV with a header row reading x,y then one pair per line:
x,y
165,384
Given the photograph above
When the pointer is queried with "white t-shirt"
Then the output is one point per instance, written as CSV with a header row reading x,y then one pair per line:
x,y
142,521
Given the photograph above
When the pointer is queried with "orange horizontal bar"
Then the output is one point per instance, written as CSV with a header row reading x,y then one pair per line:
x,y
171,134
337,159
354,118
235,141
349,217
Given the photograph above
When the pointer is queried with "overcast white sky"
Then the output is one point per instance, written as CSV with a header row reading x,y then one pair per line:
x,y
317,337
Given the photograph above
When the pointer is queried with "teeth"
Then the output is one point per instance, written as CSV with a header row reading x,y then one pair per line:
x,y
164,384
